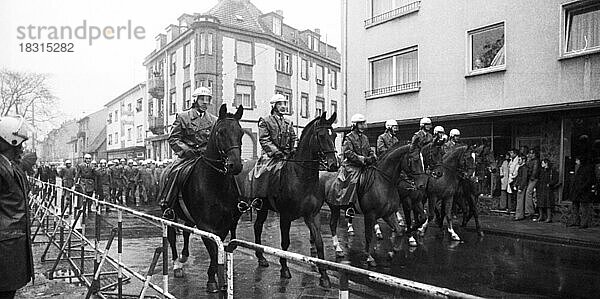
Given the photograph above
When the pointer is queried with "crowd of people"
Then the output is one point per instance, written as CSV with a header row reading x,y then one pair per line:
x,y
125,182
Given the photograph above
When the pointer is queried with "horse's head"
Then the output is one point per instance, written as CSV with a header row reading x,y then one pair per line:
x,y
227,139
319,137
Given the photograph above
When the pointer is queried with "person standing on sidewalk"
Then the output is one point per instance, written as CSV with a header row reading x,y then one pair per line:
x,y
533,165
581,191
16,258
521,182
513,169
504,173
546,186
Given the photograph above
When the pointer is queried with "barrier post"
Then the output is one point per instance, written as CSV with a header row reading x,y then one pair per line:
x,y
165,268
344,294
81,268
96,283
157,253
120,254
229,275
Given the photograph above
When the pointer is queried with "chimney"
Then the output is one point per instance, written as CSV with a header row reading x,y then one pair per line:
x,y
318,31
279,12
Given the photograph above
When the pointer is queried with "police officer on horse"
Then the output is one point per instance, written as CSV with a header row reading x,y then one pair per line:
x,y
188,139
419,140
389,138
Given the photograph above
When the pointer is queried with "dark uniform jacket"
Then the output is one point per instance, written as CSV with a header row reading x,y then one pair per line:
x,y
131,173
85,172
67,175
146,176
16,259
419,140
276,134
117,174
52,174
43,173
103,177
356,149
190,133
547,184
385,141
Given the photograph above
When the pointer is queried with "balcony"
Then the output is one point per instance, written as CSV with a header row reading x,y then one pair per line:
x,y
156,125
392,90
156,87
392,14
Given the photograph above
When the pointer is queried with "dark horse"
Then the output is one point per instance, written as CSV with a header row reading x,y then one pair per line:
x,y
378,195
210,194
297,196
444,182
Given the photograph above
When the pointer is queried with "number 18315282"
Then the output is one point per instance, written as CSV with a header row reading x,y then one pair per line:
x,y
46,47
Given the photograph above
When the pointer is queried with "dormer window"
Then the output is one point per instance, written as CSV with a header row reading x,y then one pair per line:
x,y
277,26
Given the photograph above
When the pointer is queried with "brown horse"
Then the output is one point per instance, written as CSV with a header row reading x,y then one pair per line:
x,y
296,195
210,194
378,196
444,182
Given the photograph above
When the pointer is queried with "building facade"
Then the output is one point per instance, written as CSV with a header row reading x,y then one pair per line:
x,y
512,73
126,124
55,147
90,137
244,56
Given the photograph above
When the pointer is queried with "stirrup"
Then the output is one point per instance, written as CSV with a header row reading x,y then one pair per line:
x,y
257,204
169,214
243,207
350,212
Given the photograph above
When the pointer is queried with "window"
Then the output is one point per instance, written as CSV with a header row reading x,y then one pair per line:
x,y
244,96
333,79
138,105
202,43
109,120
283,62
304,105
150,107
244,52
304,69
116,137
161,107
187,97
128,134
333,108
288,102
313,43
109,139
277,26
172,103
319,106
320,75
173,63
187,55
486,48
209,43
116,115
139,133
128,107
394,72
582,28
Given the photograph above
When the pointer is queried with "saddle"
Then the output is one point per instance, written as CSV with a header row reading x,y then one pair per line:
x,y
174,177
263,180
350,182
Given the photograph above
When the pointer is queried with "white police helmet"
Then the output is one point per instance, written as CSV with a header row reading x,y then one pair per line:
x,y
14,130
454,132
390,123
358,118
425,121
438,129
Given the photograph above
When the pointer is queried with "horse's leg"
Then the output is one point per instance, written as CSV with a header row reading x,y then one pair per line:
x,y
409,207
333,222
211,247
392,221
177,266
185,252
261,217
369,222
448,216
475,213
315,234
284,226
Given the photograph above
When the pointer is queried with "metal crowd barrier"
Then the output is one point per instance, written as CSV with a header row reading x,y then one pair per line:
x,y
225,254
45,207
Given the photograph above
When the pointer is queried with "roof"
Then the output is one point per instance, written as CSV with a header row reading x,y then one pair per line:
x,y
136,87
93,147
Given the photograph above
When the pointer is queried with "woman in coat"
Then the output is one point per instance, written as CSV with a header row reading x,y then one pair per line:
x,y
581,193
545,190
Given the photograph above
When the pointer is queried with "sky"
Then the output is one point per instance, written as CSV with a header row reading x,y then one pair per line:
x,y
92,75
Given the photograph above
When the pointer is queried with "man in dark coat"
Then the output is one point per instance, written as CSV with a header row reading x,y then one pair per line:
x,y
16,258
388,139
545,189
521,181
533,164
581,193
85,177
188,139
419,140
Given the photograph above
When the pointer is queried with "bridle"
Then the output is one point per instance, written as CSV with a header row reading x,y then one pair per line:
x,y
320,153
220,164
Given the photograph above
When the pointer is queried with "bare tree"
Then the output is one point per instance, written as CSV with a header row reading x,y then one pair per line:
x,y
28,95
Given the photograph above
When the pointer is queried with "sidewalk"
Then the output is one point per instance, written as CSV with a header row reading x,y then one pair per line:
x,y
555,232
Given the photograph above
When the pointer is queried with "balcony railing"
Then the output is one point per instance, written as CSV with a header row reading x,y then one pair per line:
x,y
392,14
156,125
411,86
156,87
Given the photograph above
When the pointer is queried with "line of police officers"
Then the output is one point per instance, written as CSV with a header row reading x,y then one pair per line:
x,y
114,181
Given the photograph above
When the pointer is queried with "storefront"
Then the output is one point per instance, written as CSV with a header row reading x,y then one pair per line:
x,y
133,152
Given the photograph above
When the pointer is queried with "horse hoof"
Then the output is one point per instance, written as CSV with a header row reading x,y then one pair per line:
x,y
211,287
183,259
324,282
285,273
412,242
379,236
339,253
178,273
263,263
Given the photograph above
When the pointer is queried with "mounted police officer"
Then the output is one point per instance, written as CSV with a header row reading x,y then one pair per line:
x,y
388,139
85,178
453,142
357,156
188,139
16,258
419,140
275,132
